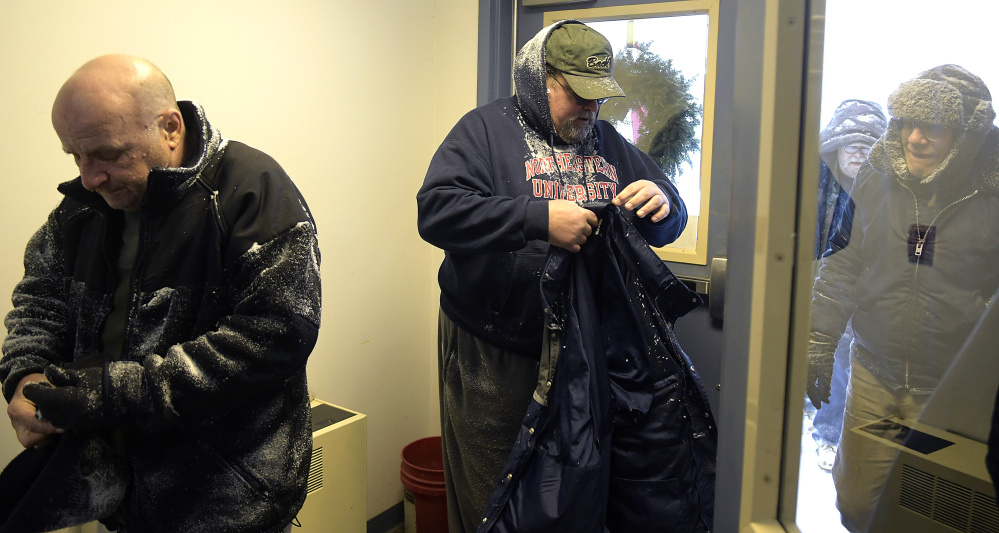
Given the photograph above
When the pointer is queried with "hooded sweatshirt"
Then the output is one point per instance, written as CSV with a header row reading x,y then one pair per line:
x,y
485,201
919,268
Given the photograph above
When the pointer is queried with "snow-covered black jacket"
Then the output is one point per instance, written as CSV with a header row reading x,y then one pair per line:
x,y
210,394
485,200
619,435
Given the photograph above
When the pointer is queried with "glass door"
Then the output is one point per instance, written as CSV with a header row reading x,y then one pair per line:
x,y
900,351
889,273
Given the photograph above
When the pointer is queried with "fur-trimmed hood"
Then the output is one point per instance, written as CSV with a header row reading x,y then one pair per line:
x,y
951,95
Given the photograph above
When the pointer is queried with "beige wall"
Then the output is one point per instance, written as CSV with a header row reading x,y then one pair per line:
x,y
351,97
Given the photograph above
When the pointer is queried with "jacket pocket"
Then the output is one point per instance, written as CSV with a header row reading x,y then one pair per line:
x,y
653,487
214,496
652,506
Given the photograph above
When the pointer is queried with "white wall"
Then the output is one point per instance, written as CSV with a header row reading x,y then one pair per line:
x,y
352,97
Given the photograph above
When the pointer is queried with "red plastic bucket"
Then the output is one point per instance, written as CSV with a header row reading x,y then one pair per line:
x,y
422,475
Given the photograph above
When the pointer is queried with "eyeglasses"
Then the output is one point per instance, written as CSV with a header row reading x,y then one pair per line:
x,y
932,132
862,149
579,100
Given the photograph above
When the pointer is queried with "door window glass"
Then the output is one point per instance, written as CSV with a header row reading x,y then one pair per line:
x,y
664,61
902,348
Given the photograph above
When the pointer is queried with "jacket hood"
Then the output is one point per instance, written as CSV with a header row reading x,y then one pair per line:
x,y
166,185
529,80
950,95
854,121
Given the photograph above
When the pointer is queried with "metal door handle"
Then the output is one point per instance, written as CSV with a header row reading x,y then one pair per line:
x,y
716,296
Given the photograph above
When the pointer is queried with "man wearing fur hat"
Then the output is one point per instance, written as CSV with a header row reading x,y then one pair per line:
x,y
508,182
917,271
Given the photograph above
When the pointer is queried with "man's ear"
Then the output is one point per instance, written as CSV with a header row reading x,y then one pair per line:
x,y
173,128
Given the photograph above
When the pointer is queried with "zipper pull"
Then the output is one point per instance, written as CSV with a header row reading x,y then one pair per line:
x,y
919,248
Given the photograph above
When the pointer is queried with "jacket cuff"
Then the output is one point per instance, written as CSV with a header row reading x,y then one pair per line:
x,y
124,388
536,221
821,348
20,370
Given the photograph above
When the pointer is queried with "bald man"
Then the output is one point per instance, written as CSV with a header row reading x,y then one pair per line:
x,y
169,305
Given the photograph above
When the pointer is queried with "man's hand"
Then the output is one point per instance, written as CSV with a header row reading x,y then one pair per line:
x,y
31,432
819,384
569,225
821,357
72,399
645,196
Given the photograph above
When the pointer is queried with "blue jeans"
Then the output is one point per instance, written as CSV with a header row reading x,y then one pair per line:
x,y
862,466
828,421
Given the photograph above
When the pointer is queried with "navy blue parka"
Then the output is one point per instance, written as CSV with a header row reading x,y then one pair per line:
x,y
619,433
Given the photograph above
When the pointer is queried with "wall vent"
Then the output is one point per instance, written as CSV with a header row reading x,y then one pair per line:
x,y
946,502
316,471
916,493
984,514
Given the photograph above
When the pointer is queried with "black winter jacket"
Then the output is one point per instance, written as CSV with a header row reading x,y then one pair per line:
x,y
210,394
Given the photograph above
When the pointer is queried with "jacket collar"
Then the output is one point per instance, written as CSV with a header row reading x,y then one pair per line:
x,y
166,185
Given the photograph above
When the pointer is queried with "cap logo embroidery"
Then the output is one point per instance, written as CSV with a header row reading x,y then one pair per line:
x,y
595,62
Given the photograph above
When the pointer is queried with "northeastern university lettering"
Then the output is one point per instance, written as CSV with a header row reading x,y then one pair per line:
x,y
551,188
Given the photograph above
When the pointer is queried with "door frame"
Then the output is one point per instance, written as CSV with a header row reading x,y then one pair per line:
x,y
766,318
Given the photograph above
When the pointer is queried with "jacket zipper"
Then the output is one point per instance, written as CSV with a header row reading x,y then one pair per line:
x,y
921,239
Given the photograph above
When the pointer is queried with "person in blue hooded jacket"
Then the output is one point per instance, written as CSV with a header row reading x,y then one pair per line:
x,y
509,181
843,147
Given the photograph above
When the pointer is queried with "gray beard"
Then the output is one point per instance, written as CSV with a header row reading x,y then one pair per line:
x,y
571,133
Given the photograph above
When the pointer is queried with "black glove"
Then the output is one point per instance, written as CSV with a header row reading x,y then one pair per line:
x,y
72,400
821,356
819,385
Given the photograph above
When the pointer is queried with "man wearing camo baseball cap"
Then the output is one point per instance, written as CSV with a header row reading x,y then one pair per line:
x,y
507,185
585,58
